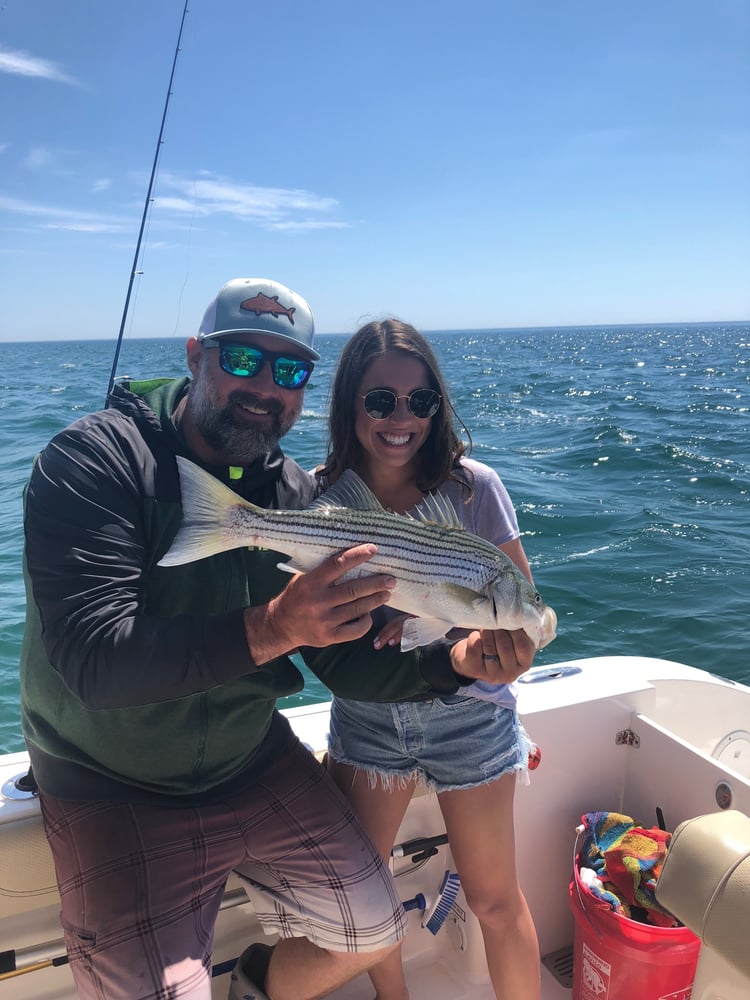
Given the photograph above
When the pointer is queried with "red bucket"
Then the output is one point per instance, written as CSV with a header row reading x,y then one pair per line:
x,y
615,958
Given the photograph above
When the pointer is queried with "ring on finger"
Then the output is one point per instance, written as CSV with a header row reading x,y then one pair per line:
x,y
490,656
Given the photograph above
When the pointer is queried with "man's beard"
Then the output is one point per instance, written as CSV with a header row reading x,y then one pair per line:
x,y
239,443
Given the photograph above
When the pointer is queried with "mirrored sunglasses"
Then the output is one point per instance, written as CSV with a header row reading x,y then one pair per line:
x,y
381,403
247,362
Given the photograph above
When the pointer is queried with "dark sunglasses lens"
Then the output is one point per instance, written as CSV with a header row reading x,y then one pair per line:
x,y
242,361
247,362
379,404
291,373
424,403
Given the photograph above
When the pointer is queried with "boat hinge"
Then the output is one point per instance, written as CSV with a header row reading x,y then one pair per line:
x,y
628,738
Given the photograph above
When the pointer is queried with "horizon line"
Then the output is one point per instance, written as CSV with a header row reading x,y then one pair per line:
x,y
469,330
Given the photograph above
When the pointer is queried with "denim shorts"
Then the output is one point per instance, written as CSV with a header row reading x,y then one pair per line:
x,y
446,743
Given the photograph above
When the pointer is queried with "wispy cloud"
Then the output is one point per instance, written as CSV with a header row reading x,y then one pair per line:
x,y
187,200
22,64
273,208
38,158
306,225
65,218
85,227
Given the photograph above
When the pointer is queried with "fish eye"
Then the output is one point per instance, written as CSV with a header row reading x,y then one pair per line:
x,y
537,598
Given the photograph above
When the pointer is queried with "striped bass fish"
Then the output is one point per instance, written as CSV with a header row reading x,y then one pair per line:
x,y
446,577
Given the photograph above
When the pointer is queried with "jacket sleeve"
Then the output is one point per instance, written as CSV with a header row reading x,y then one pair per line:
x,y
86,552
358,671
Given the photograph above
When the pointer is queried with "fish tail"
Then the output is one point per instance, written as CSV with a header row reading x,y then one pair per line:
x,y
206,505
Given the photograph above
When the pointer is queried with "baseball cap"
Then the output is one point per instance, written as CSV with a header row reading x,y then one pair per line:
x,y
260,305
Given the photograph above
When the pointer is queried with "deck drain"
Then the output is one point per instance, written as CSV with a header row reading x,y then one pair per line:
x,y
560,964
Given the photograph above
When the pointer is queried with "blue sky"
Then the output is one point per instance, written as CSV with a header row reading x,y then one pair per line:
x,y
460,165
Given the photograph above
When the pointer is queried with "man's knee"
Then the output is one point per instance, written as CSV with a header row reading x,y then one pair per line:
x,y
353,963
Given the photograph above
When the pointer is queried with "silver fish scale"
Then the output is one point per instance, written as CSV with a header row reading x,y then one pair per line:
x,y
420,550
444,575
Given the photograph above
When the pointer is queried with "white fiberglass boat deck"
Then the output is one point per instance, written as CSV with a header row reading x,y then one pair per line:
x,y
624,734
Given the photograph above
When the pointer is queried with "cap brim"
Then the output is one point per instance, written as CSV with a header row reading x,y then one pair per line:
x,y
306,352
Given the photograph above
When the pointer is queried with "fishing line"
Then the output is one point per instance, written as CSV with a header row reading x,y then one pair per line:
x,y
146,206
189,255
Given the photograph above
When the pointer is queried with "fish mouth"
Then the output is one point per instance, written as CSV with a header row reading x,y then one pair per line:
x,y
549,627
395,440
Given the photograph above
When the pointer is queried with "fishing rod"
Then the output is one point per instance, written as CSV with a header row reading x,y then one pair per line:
x,y
147,203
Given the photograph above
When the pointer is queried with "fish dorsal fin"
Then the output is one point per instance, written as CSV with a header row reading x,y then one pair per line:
x,y
437,509
351,491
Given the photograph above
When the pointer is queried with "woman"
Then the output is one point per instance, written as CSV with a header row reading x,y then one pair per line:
x,y
391,421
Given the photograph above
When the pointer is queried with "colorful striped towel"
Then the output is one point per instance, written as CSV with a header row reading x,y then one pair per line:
x,y
627,860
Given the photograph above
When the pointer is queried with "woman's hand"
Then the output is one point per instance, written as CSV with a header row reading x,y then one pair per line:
x,y
390,633
498,656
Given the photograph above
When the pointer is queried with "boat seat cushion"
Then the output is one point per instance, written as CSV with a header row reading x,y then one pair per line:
x,y
705,882
27,873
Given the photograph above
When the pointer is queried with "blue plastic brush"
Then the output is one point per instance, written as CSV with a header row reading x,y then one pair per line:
x,y
434,919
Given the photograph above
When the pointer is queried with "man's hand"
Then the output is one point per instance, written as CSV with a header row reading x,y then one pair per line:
x,y
315,609
499,656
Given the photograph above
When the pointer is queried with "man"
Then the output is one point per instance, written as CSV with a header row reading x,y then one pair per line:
x,y
148,693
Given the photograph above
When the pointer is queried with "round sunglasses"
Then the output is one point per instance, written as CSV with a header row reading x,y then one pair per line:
x,y
247,362
381,403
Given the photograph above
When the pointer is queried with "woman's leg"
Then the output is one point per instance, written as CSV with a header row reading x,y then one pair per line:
x,y
479,823
380,810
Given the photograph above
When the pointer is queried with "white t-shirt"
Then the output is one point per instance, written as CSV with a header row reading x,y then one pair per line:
x,y
491,515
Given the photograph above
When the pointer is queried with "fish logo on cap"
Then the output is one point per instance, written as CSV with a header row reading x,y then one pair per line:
x,y
261,303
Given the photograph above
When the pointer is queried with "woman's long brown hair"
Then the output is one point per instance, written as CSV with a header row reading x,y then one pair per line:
x,y
443,448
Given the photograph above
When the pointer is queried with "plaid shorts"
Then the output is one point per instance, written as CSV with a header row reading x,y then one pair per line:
x,y
141,884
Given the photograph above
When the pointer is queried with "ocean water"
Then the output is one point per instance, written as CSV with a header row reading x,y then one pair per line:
x,y
626,451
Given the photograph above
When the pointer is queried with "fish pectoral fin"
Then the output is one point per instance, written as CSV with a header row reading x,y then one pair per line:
x,y
292,567
422,631
479,604
296,565
289,567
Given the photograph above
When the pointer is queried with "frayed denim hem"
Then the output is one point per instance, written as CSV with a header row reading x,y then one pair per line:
x,y
440,746
379,776
390,780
